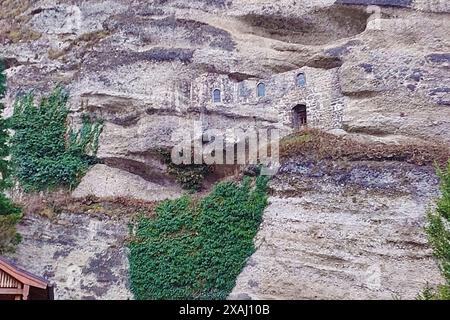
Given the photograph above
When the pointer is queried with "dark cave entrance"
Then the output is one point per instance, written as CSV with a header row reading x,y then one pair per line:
x,y
299,118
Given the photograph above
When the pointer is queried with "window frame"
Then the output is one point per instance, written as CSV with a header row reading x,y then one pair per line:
x,y
214,96
263,85
297,78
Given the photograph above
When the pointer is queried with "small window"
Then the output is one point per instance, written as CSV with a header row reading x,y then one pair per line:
x,y
261,89
301,80
216,96
241,89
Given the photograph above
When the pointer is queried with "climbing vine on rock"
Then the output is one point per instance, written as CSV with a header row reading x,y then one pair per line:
x,y
10,214
9,237
196,249
6,206
45,154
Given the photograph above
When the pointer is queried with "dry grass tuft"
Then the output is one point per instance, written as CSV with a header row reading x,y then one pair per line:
x,y
13,9
13,21
86,41
52,204
317,145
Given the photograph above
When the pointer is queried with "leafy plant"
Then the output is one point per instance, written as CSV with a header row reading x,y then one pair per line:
x,y
4,136
196,249
9,213
438,230
6,205
45,154
9,237
189,176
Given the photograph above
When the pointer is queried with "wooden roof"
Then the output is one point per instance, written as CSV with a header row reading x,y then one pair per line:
x,y
12,274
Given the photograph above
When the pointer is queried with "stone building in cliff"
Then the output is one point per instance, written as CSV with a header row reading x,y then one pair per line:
x,y
289,100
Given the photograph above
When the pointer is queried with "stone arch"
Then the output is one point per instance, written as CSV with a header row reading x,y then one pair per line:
x,y
299,116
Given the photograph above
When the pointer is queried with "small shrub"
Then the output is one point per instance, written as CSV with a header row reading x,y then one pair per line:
x,y
45,154
196,249
12,9
14,27
91,37
7,206
54,54
189,176
23,34
87,40
9,237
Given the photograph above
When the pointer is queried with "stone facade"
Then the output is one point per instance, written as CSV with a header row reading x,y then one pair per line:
x,y
320,94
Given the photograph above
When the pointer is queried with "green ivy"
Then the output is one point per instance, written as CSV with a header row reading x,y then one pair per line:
x,y
9,237
10,214
196,249
438,230
6,205
45,154
4,136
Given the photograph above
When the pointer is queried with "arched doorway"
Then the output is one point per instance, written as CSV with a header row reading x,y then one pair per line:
x,y
299,118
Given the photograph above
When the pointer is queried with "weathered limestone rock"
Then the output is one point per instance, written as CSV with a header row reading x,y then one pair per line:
x,y
343,231
148,68
83,255
378,69
104,181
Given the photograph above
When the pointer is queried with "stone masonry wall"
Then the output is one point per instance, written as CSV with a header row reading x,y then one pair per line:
x,y
321,95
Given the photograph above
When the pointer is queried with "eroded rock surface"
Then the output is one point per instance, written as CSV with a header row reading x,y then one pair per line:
x,y
148,69
83,255
377,67
107,182
343,231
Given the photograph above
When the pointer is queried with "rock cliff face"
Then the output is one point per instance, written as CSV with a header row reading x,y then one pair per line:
x,y
83,255
352,231
374,69
148,69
